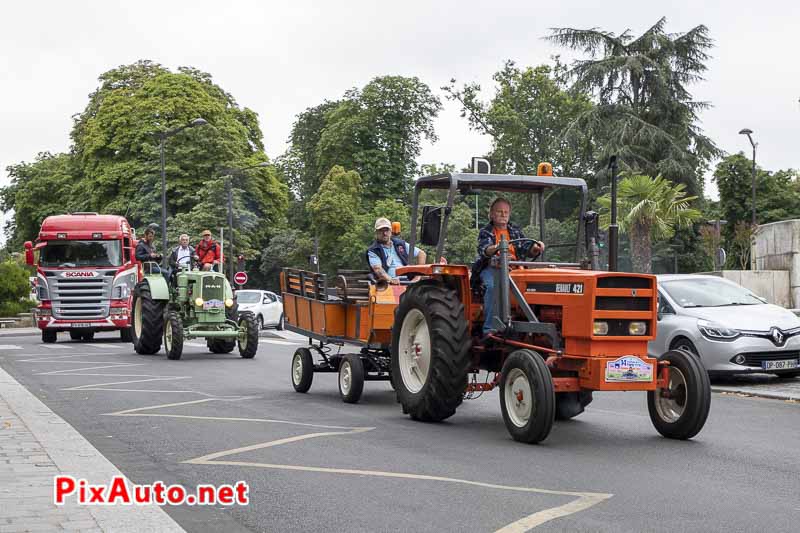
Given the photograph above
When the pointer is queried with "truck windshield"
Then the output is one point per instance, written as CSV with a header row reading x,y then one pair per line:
x,y
81,253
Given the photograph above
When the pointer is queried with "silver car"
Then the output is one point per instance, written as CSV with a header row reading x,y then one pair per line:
x,y
732,330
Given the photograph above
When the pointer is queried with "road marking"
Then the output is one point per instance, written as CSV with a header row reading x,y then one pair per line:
x,y
284,343
10,347
583,501
55,346
91,386
195,344
102,345
69,370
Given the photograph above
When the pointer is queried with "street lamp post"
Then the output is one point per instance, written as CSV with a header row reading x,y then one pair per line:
x,y
163,136
229,173
749,132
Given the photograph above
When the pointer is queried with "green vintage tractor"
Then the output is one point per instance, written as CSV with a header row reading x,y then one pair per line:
x,y
194,304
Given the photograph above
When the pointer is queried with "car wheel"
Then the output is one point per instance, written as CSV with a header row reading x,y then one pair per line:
x,y
260,322
682,343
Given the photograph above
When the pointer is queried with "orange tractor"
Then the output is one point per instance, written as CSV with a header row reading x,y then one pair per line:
x,y
561,330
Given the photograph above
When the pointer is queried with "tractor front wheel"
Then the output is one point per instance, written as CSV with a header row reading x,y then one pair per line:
x,y
173,336
248,337
302,369
148,321
351,378
430,351
680,410
527,397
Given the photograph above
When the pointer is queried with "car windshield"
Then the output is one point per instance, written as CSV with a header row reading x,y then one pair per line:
x,y
248,297
708,292
81,253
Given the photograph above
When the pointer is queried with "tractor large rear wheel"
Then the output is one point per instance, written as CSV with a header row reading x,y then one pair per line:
x,y
430,351
148,321
527,397
680,410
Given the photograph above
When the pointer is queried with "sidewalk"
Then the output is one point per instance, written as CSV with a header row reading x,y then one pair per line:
x,y
35,445
761,385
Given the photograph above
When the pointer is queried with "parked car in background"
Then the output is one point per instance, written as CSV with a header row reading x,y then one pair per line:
x,y
265,305
732,330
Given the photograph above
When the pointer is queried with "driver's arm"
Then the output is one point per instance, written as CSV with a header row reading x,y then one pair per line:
x,y
422,257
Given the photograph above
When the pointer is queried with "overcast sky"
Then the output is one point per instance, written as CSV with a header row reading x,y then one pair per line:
x,y
279,58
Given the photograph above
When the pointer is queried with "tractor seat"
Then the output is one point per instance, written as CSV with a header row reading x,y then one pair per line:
x,y
352,286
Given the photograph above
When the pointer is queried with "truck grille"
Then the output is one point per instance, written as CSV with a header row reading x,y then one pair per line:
x,y
80,298
213,288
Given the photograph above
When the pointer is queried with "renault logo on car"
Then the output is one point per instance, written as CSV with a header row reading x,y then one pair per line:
x,y
777,336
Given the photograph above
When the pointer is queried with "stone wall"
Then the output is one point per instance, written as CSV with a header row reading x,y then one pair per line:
x,y
770,284
777,247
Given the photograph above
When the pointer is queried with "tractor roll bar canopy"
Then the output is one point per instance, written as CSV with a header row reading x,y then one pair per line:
x,y
465,183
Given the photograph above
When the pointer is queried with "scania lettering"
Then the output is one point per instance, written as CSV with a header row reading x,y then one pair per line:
x,y
85,274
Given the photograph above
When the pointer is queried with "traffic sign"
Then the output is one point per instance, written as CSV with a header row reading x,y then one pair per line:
x,y
240,278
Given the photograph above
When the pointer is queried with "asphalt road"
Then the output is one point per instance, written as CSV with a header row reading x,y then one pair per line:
x,y
314,463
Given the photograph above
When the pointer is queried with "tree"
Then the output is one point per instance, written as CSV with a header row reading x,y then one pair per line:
x,y
650,208
288,248
528,119
644,111
14,288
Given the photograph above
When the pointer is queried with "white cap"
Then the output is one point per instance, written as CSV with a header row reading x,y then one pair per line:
x,y
382,223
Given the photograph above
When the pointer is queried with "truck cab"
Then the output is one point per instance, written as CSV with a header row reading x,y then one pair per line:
x,y
85,274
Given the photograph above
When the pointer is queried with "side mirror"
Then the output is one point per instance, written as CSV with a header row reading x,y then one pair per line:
x,y
659,314
28,252
431,225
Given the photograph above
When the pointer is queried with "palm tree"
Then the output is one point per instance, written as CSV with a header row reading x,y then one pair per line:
x,y
651,209
644,114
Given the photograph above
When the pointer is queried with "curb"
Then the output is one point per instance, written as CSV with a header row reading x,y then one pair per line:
x,y
772,395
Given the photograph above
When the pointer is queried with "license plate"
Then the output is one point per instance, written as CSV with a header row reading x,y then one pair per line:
x,y
213,304
81,325
779,365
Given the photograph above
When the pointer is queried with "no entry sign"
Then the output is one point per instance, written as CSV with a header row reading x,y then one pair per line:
x,y
240,278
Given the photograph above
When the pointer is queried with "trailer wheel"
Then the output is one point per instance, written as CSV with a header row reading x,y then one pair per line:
x,y
173,336
248,339
49,336
351,378
430,351
148,321
302,369
681,410
527,398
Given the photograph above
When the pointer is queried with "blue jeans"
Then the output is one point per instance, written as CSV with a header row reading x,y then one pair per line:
x,y
487,277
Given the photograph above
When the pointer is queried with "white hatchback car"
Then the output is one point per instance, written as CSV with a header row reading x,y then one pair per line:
x,y
265,305
732,330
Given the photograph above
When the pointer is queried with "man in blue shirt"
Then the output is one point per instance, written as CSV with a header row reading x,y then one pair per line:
x,y
387,253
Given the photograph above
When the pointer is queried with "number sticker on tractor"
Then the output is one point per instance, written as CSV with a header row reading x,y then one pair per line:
x,y
213,304
629,368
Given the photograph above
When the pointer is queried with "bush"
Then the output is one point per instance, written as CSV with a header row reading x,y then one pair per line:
x,y
14,288
12,309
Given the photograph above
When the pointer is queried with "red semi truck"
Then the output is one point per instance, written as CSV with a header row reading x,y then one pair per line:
x,y
85,275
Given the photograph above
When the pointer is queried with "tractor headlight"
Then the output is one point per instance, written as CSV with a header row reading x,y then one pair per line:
x,y
600,327
637,328
228,302
198,302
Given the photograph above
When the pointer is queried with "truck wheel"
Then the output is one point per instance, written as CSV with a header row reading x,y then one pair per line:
x,y
302,369
351,378
75,335
681,410
49,336
173,336
87,335
430,351
125,335
260,322
221,345
248,339
148,321
527,398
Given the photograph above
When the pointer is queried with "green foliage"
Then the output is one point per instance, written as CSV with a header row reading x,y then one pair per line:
x,y
376,131
644,112
528,119
14,289
649,209
288,248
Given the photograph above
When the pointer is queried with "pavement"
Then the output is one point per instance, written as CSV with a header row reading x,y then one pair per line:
x,y
314,463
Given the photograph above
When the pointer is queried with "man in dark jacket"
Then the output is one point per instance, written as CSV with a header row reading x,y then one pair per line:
x,y
181,255
490,235
146,252
387,253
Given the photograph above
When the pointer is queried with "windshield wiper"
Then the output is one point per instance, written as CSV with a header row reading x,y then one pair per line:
x,y
67,265
731,304
692,306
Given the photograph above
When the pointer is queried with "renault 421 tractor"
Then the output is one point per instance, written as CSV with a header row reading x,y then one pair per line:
x,y
194,304
561,330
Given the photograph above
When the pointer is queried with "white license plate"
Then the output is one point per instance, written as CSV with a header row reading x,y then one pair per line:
x,y
779,365
213,304
81,325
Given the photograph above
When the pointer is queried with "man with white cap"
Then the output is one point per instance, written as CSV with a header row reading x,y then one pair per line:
x,y
387,253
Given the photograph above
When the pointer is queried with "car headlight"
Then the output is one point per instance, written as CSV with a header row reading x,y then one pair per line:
x,y
600,328
716,331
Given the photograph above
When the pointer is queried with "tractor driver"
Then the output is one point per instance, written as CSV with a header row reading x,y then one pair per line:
x,y
499,226
387,253
146,251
